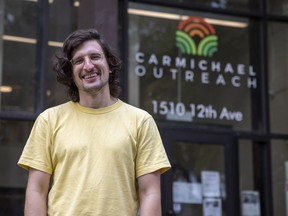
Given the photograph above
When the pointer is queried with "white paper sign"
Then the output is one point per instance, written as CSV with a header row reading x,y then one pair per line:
x,y
210,183
185,192
250,203
212,207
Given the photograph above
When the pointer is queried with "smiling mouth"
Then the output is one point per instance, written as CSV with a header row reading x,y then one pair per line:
x,y
89,76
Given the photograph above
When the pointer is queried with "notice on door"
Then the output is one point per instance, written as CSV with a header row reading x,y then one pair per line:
x,y
212,207
250,203
186,192
210,183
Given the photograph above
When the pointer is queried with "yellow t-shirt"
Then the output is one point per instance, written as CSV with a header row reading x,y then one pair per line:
x,y
94,157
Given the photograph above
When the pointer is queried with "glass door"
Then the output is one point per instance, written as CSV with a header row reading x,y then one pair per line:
x,y
204,179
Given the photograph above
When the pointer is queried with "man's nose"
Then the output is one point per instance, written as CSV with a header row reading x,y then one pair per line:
x,y
88,63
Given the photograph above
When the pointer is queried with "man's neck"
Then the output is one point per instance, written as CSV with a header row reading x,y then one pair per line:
x,y
97,101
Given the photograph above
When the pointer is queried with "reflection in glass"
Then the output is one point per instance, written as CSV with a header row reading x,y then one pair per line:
x,y
278,76
18,60
19,74
17,53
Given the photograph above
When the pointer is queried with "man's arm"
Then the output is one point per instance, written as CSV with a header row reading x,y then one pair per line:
x,y
150,194
36,193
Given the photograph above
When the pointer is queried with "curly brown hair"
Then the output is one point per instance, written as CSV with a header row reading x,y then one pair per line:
x,y
63,67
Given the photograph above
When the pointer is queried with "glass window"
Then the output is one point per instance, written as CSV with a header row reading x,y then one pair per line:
x,y
12,201
13,136
17,55
193,67
277,7
279,155
278,76
246,165
59,28
56,92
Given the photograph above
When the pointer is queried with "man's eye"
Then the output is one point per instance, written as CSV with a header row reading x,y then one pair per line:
x,y
78,61
95,57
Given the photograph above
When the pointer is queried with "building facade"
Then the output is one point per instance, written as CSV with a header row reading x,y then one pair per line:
x,y
213,74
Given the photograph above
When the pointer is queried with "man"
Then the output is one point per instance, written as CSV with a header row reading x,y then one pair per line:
x,y
94,155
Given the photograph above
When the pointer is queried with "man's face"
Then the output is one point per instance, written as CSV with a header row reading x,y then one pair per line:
x,y
90,69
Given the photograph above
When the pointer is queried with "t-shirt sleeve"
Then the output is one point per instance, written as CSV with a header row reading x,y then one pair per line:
x,y
151,155
37,151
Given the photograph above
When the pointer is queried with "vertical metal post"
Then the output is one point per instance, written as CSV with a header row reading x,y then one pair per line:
x,y
42,55
123,46
1,45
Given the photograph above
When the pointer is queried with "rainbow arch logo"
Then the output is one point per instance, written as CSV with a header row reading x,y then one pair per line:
x,y
196,37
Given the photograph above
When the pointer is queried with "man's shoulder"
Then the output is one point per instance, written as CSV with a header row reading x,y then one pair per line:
x,y
131,109
58,110
135,113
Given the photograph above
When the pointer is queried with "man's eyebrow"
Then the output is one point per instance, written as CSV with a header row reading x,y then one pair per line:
x,y
91,53
95,53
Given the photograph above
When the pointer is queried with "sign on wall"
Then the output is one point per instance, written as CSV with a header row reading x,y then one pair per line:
x,y
191,70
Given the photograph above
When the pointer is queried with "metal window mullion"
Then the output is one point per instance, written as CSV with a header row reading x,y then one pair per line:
x,y
42,55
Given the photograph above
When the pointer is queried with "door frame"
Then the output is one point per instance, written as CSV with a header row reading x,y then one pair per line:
x,y
231,162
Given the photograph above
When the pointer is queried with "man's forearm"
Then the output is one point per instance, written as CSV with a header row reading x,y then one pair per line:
x,y
151,205
35,204
150,194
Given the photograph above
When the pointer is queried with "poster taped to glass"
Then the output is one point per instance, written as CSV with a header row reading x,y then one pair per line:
x,y
250,203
